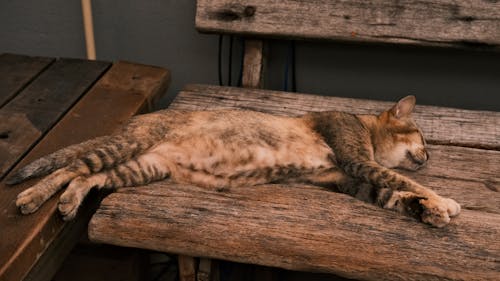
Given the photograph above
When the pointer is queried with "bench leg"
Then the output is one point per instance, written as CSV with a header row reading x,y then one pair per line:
x,y
187,268
253,65
208,270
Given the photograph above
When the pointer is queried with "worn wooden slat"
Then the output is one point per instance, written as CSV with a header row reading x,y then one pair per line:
x,y
470,176
253,62
459,23
38,107
17,71
441,125
299,228
123,91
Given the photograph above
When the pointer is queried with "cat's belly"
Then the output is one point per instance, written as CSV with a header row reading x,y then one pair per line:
x,y
215,163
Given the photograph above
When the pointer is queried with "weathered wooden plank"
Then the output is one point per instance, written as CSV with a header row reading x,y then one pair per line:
x,y
38,107
470,176
441,125
460,23
124,90
299,228
253,64
17,71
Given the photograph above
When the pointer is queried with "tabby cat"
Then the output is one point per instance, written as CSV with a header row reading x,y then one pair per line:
x,y
348,153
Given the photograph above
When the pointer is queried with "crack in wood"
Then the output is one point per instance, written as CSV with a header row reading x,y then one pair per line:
x,y
465,144
473,44
491,185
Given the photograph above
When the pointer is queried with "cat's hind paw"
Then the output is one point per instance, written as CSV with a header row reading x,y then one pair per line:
x,y
71,199
30,200
68,207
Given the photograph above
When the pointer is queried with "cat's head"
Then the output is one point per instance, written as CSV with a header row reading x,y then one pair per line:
x,y
399,142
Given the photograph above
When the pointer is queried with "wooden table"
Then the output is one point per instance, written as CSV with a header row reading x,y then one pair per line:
x,y
46,104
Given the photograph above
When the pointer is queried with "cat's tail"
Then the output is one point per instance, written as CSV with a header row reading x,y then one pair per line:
x,y
53,161
96,154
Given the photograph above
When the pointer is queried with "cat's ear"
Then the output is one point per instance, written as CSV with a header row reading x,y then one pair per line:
x,y
404,107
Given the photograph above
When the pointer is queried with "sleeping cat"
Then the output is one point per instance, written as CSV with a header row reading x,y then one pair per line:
x,y
348,153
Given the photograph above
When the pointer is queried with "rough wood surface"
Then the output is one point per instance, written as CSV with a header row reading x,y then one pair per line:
x,y
30,114
300,228
460,23
441,125
17,71
253,64
470,176
43,237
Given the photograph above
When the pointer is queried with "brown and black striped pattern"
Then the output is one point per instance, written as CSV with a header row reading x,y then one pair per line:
x,y
351,154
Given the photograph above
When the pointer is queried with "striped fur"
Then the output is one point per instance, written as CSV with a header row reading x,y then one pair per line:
x,y
348,153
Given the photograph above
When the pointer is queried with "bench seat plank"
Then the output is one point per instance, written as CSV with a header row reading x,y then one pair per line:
x,y
441,125
459,23
299,228
28,116
308,228
17,71
124,90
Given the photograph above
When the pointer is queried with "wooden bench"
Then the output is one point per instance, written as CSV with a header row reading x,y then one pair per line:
x,y
47,104
307,228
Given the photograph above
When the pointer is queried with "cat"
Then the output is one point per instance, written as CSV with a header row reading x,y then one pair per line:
x,y
348,153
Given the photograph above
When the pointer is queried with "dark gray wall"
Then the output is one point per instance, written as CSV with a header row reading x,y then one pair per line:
x,y
162,33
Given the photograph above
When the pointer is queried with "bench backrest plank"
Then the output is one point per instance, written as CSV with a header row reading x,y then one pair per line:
x,y
441,125
459,23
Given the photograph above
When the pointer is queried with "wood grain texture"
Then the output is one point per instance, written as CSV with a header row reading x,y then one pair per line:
x,y
441,125
470,176
300,228
17,71
43,237
253,64
462,23
41,104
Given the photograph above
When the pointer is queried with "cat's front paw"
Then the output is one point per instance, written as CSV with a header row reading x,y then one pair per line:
x,y
437,210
